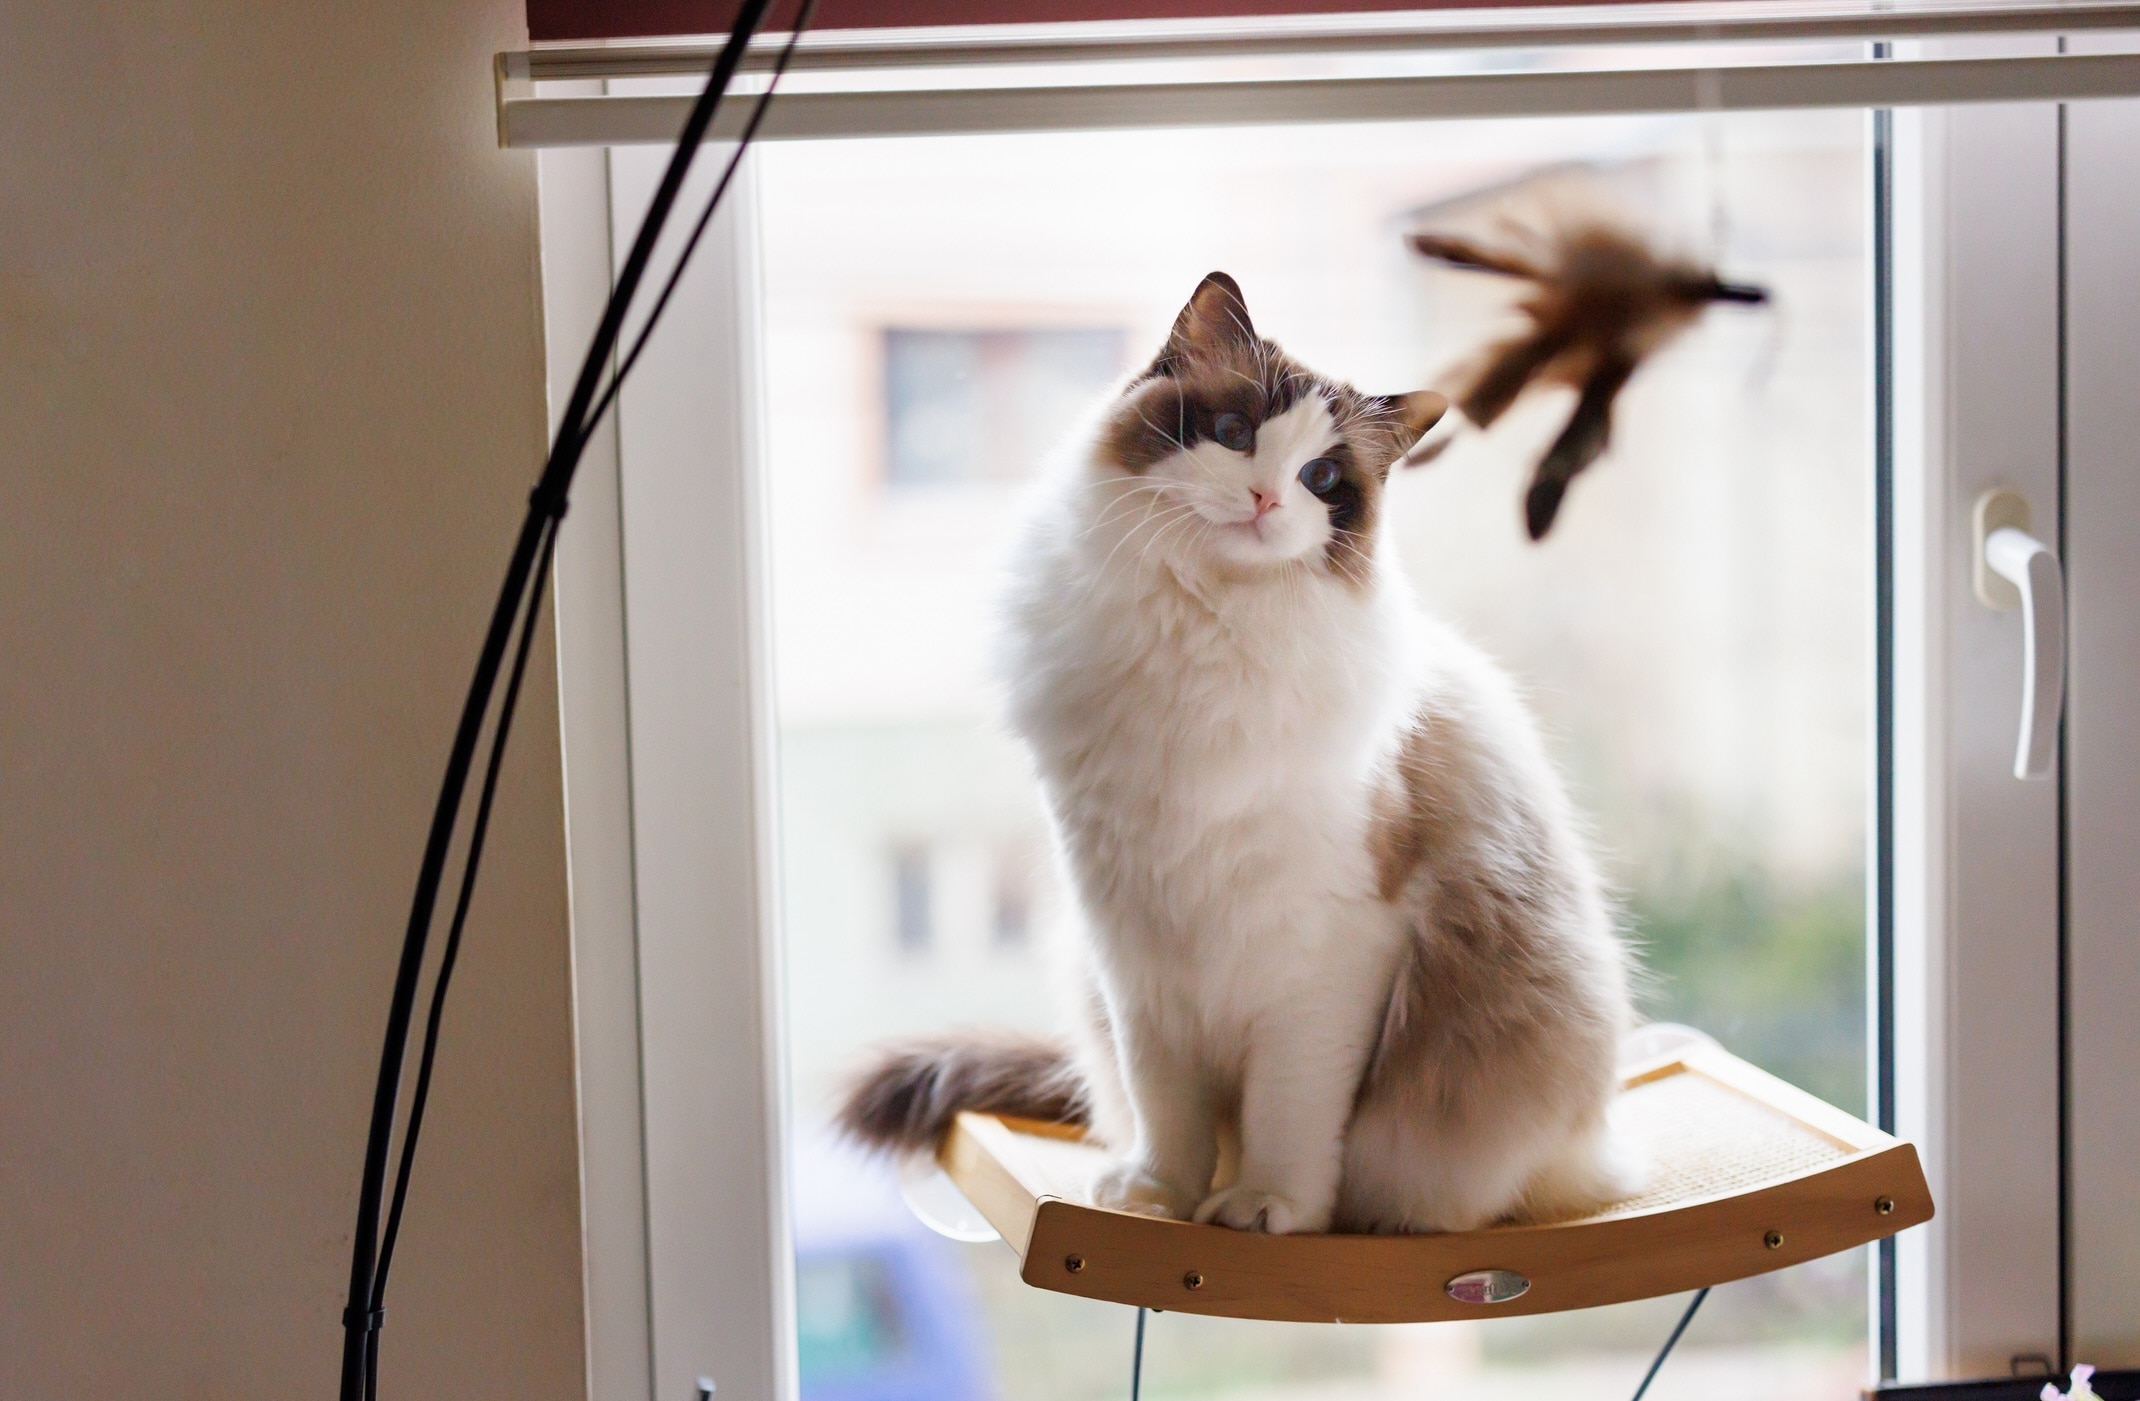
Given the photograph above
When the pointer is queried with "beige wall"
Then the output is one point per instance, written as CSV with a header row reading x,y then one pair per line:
x,y
270,399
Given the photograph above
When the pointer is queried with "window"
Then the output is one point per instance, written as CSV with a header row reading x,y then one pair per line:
x,y
913,913
1710,714
980,406
807,705
1014,902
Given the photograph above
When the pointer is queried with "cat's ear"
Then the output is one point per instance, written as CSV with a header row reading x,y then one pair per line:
x,y
1409,416
1213,325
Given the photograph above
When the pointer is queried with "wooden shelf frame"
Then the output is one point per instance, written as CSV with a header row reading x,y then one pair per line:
x,y
1026,1179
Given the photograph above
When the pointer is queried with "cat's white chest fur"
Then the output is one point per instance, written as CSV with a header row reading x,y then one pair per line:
x,y
1208,746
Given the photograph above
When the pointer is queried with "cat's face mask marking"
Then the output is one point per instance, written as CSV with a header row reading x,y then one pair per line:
x,y
1255,501
1264,461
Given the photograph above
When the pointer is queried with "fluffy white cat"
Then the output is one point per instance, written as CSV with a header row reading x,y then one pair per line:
x,y
1345,960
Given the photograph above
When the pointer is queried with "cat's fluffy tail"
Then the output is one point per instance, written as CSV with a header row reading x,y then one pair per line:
x,y
905,1099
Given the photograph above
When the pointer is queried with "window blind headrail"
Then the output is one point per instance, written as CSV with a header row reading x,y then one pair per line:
x,y
606,121
1570,25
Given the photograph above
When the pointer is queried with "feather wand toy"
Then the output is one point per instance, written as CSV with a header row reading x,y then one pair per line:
x,y
1602,300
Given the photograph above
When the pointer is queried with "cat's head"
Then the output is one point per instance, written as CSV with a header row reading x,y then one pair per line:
x,y
1277,463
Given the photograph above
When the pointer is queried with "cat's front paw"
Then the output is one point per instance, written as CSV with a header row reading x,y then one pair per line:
x,y
1129,1187
1249,1209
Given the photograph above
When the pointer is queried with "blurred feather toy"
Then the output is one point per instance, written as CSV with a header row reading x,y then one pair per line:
x,y
1603,298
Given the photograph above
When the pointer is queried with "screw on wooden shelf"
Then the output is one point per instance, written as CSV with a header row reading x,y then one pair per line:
x,y
1193,1280
1773,1240
1074,1263
1884,1205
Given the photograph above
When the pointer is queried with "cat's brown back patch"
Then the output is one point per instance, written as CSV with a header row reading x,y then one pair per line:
x,y
1406,818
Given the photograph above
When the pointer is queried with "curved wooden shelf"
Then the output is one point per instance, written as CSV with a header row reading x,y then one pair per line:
x,y
1748,1174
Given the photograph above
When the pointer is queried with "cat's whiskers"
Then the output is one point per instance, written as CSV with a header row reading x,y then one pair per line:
x,y
1191,517
1150,518
1144,495
1163,522
1126,502
1198,522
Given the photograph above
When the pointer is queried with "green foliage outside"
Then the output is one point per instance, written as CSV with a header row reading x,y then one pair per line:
x,y
1774,970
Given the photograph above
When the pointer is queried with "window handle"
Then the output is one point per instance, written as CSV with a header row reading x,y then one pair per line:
x,y
2007,552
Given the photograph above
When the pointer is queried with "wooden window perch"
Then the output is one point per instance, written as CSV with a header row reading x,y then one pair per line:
x,y
1747,1175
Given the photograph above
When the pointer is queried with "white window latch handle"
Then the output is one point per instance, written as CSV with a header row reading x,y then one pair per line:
x,y
2016,570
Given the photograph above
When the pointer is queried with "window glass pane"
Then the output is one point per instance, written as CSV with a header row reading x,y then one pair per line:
x,y
1692,637
984,405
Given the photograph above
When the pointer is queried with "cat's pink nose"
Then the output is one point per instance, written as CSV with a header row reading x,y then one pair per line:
x,y
1266,502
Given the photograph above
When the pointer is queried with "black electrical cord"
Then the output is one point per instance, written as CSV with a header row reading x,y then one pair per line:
x,y
448,959
1136,1360
506,706
519,602
698,230
1669,1343
530,615
444,978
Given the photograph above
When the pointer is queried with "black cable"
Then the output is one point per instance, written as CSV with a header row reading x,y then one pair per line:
x,y
1669,1343
364,1313
1136,1360
531,615
421,1097
565,450
705,218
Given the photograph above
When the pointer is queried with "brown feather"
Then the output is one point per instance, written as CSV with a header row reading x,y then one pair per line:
x,y
1581,443
1464,253
1602,301
1507,370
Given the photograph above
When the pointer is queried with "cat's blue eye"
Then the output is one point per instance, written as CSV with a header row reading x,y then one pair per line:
x,y
1322,475
1232,430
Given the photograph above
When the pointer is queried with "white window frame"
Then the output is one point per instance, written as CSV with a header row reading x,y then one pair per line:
x,y
688,1256
2102,776
668,723
1976,858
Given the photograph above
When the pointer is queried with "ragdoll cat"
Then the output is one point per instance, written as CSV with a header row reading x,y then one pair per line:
x,y
1345,961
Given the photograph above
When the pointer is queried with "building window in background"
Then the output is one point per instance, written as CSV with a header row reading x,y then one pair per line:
x,y
913,921
1014,904
967,406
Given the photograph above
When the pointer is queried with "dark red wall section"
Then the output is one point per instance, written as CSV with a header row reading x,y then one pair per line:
x,y
616,19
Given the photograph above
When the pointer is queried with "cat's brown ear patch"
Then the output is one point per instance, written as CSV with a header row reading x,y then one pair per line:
x,y
1213,325
1407,417
1419,411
